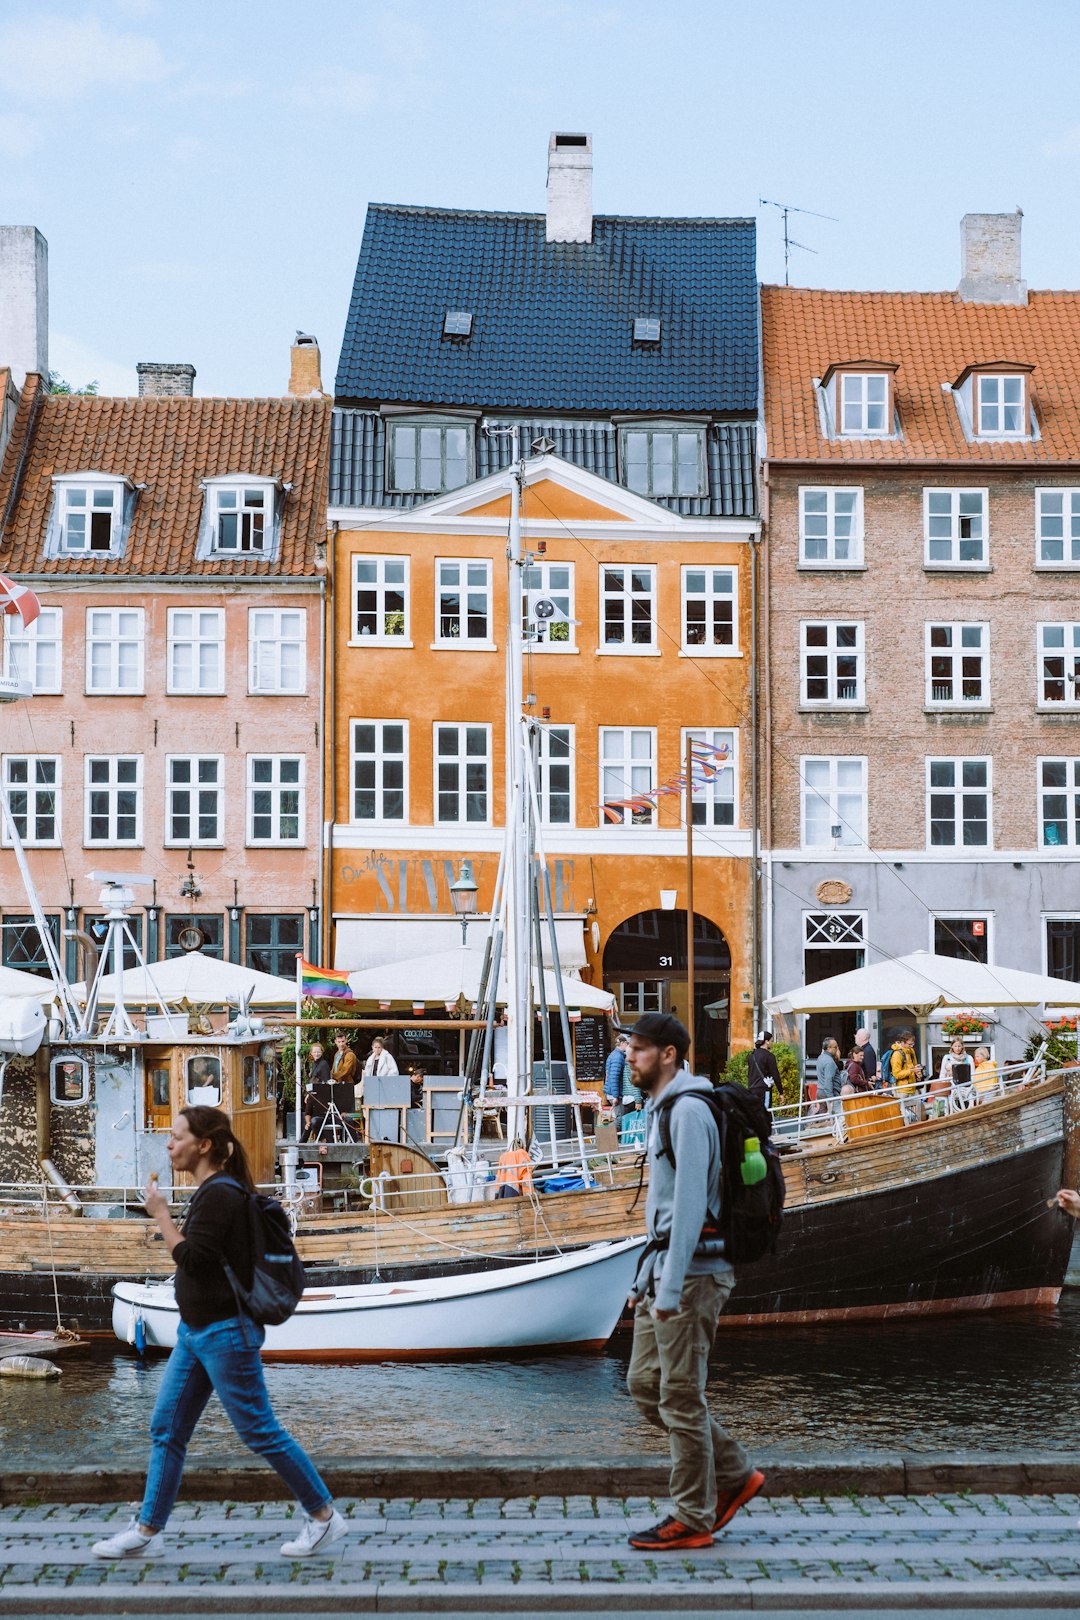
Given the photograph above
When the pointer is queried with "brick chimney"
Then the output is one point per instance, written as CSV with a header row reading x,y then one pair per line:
x,y
305,371
165,379
24,302
990,259
569,188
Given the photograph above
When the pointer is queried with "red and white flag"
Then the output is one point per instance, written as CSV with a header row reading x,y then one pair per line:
x,y
20,599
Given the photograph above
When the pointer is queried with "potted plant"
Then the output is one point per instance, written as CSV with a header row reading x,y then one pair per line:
x,y
964,1025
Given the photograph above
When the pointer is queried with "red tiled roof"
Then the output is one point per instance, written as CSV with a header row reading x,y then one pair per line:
x,y
932,338
170,445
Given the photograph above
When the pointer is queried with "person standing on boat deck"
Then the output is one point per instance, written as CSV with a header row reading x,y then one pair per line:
x,y
379,1061
615,1078
869,1056
763,1072
829,1073
345,1066
681,1286
217,1348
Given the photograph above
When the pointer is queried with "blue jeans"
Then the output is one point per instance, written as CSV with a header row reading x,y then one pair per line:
x,y
223,1357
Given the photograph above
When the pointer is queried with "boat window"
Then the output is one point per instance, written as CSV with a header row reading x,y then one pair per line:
x,y
69,1079
251,1079
204,1081
270,1080
159,1088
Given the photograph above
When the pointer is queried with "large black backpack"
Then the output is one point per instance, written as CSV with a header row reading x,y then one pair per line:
x,y
749,1218
279,1278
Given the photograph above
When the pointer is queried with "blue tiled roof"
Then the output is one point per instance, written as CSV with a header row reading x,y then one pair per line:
x,y
358,461
553,321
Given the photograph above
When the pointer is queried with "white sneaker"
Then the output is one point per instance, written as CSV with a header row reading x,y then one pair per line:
x,y
316,1536
130,1543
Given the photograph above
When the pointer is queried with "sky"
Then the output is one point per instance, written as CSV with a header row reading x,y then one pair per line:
x,y
201,168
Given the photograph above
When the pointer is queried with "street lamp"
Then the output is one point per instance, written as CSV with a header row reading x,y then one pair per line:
x,y
463,897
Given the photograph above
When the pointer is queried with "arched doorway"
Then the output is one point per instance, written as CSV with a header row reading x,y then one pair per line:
x,y
645,969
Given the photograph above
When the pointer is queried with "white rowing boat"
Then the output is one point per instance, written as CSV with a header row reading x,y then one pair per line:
x,y
570,1302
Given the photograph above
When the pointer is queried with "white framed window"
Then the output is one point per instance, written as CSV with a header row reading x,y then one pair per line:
x,y
641,996
241,516
381,601
555,775
830,528
114,650
429,457
999,406
463,603
627,769
549,582
1057,527
1059,803
196,650
275,799
1059,666
88,516
380,770
628,608
832,662
1061,945
710,610
32,786
833,801
834,930
957,666
714,797
33,652
462,774
114,799
967,938
958,803
864,403
663,461
277,650
955,528
193,799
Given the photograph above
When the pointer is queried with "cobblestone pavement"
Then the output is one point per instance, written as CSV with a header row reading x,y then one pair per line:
x,y
556,1553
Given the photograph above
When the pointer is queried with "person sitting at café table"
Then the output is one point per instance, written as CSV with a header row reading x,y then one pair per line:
x,y
987,1075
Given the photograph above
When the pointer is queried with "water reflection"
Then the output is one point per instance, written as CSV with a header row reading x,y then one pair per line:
x,y
991,1382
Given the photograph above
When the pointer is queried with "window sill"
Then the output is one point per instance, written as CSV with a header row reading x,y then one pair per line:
x,y
115,843
958,708
463,646
128,692
831,567
274,843
956,568
192,843
277,691
379,641
194,692
710,652
834,708
627,652
38,843
1057,567
534,647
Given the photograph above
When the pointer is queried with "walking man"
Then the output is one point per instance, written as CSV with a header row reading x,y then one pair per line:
x,y
678,1294
615,1078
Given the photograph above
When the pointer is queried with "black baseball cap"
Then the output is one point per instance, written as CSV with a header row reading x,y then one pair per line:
x,y
659,1029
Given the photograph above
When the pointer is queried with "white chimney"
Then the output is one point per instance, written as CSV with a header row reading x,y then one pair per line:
x,y
24,301
990,259
569,188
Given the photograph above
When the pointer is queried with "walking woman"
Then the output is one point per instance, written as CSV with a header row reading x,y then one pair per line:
x,y
217,1348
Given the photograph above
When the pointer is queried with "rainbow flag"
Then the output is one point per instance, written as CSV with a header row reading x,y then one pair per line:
x,y
322,982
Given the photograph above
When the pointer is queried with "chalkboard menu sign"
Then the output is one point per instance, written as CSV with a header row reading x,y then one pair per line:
x,y
590,1048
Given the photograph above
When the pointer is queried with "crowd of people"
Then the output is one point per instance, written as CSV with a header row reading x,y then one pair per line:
x,y
963,1077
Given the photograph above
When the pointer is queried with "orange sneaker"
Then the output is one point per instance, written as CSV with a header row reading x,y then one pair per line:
x,y
670,1533
730,1502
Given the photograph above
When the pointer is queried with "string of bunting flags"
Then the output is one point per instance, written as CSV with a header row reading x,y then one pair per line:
x,y
708,763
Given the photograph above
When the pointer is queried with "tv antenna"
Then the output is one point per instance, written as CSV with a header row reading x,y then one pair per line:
x,y
789,241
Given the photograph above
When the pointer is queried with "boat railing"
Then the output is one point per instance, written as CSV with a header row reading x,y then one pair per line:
x,y
822,1119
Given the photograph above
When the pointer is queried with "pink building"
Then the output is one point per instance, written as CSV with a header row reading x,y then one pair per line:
x,y
178,549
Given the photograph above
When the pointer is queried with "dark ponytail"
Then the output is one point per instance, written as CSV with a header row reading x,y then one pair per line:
x,y
213,1125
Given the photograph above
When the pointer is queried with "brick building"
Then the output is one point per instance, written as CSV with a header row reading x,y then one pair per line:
x,y
624,351
923,625
177,545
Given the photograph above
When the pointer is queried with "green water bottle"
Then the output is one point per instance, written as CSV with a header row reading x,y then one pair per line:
x,y
753,1167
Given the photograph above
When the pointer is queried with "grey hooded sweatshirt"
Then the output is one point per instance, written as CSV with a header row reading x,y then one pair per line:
x,y
679,1199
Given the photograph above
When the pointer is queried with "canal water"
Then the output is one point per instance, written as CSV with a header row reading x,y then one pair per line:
x,y
996,1382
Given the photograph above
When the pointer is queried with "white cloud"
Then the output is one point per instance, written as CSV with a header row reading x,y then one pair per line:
x,y
51,60
80,364
336,90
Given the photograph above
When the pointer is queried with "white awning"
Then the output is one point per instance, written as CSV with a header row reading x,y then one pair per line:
x,y
364,942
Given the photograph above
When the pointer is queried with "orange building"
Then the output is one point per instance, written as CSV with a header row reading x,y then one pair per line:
x,y
622,353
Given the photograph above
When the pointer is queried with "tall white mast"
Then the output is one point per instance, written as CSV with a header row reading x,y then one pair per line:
x,y
518,952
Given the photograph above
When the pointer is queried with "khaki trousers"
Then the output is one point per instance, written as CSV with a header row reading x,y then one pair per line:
x,y
669,1364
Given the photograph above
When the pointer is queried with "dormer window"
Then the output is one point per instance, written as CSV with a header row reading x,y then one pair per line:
x,y
88,516
1000,409
993,400
240,517
429,457
858,399
663,460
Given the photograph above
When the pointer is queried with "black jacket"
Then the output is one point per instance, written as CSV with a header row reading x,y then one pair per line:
x,y
760,1069
216,1227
